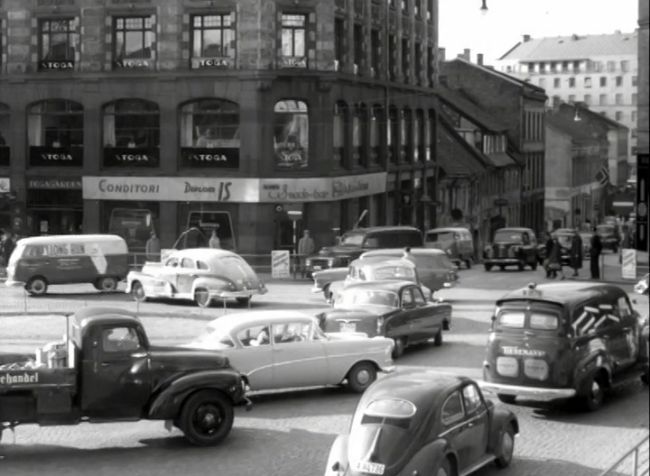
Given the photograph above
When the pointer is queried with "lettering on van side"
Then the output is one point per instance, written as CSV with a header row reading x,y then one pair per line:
x,y
514,350
14,378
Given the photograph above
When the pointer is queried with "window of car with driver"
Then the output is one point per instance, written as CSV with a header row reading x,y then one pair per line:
x,y
288,332
407,298
418,297
120,339
452,410
254,336
187,263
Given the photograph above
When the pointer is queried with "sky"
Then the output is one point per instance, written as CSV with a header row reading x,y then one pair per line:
x,y
463,25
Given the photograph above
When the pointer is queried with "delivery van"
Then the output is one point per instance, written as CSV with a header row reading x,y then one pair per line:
x,y
38,262
456,242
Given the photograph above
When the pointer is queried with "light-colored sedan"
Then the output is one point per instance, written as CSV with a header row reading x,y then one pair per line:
x,y
287,349
204,275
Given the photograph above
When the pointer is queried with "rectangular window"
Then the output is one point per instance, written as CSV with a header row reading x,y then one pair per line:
x,y
588,82
392,53
553,67
603,81
565,66
556,82
429,9
58,44
635,81
618,115
339,41
572,98
602,100
572,82
417,8
294,36
634,99
405,60
133,46
542,67
542,83
619,81
625,66
619,99
375,51
611,66
576,66
213,41
358,47
418,62
588,99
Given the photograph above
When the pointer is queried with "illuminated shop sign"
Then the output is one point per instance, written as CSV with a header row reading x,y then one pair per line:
x,y
215,157
55,156
130,157
54,183
322,189
136,63
220,62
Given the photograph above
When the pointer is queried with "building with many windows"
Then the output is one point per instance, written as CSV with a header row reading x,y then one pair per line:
x,y
161,114
600,71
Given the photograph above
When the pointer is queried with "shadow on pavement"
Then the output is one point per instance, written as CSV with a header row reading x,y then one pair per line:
x,y
531,467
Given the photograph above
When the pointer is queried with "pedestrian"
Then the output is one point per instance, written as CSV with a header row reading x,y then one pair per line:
x,y
306,247
214,241
548,246
576,252
554,259
594,254
152,247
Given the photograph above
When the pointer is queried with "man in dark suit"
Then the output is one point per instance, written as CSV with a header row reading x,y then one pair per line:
x,y
596,250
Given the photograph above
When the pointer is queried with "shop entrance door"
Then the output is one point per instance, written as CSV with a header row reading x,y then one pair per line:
x,y
55,221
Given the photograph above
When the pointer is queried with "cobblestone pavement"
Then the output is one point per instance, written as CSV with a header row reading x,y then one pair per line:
x,y
290,434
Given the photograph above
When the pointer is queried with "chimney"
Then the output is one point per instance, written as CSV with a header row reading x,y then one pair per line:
x,y
479,59
526,38
466,54
441,54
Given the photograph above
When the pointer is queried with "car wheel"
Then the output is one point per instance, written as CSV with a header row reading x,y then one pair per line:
x,y
510,399
520,265
444,469
506,447
592,400
137,291
400,345
533,265
487,267
468,263
244,301
437,340
36,286
206,418
201,297
361,376
106,284
502,267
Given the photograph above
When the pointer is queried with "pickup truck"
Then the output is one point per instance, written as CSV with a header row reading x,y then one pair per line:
x,y
106,370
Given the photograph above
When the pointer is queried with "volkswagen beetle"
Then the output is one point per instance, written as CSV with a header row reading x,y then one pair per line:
x,y
422,422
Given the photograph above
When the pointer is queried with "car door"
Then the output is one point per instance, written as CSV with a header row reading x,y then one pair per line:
x,y
116,381
478,423
423,323
298,359
253,355
455,429
169,270
186,274
619,331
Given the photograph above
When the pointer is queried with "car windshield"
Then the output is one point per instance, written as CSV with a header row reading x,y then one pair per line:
x,y
393,272
565,240
433,261
352,239
538,319
508,236
605,229
441,236
376,297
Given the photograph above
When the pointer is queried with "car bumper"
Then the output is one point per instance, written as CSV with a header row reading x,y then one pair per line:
x,y
11,283
536,393
236,294
501,261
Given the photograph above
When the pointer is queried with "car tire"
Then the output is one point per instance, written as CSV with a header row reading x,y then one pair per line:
x,y
202,297
506,447
468,263
502,267
206,418
106,284
443,469
533,265
593,397
520,266
37,286
398,348
361,376
509,399
138,292
437,340
487,267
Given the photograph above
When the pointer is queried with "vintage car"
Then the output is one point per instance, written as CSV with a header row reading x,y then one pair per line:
x,y
378,268
641,287
395,309
422,422
204,275
609,236
564,238
358,240
511,247
457,242
434,268
287,349
564,340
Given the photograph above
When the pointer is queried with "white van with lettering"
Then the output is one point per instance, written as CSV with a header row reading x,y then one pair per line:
x,y
38,262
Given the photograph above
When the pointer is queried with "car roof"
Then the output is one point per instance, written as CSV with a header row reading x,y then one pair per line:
x,y
107,313
514,228
422,387
374,229
448,228
43,240
402,251
203,253
562,293
385,285
251,317
378,261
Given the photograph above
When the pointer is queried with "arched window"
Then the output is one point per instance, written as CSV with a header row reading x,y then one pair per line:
x,y
131,133
376,122
55,133
210,133
291,134
4,133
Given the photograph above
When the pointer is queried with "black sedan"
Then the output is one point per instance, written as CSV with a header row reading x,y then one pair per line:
x,y
395,309
423,422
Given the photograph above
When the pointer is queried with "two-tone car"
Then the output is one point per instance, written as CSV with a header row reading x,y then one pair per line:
x,y
511,247
564,340
203,275
283,349
422,422
394,309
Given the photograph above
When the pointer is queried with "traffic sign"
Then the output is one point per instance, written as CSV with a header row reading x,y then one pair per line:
x,y
603,176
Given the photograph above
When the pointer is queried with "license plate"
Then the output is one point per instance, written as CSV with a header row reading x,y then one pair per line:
x,y
368,467
317,268
348,327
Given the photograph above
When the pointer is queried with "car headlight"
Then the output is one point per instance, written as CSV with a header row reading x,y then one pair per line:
x,y
380,325
307,261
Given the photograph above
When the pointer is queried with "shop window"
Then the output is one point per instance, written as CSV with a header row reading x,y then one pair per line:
x,y
418,134
133,221
199,226
4,132
55,133
134,40
291,134
293,41
213,41
340,132
58,44
209,134
131,133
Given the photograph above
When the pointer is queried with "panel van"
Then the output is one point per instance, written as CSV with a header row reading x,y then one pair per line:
x,y
38,262
456,242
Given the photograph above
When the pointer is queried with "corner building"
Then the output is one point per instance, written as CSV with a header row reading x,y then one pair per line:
x,y
124,117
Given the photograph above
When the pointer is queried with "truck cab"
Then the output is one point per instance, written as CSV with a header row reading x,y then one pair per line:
x,y
105,369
